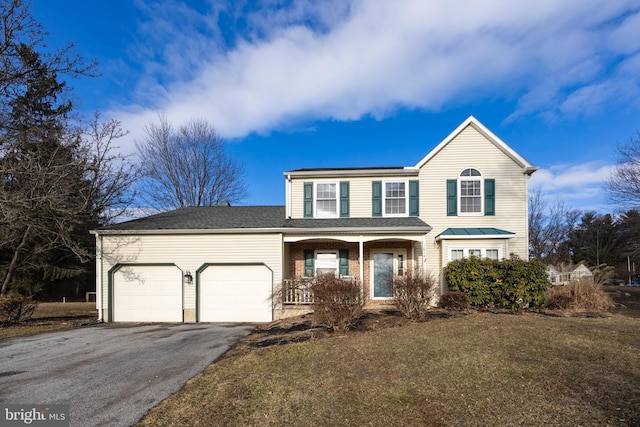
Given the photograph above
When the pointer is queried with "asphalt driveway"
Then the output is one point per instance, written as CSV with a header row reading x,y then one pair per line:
x,y
110,374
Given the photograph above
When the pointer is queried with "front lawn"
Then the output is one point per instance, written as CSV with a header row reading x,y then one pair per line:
x,y
52,316
478,369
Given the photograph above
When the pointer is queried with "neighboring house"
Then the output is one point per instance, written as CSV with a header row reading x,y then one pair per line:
x,y
563,275
466,197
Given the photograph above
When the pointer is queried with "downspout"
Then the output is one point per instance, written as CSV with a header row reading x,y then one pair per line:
x,y
99,275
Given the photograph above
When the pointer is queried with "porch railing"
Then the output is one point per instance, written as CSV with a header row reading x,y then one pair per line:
x,y
297,291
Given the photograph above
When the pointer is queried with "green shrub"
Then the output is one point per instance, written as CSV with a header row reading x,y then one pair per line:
x,y
15,308
337,302
511,283
453,300
413,293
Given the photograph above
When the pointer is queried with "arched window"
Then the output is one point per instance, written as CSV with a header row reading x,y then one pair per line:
x,y
470,196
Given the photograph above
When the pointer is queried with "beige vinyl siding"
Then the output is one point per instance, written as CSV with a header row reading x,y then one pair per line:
x,y
190,252
471,149
359,193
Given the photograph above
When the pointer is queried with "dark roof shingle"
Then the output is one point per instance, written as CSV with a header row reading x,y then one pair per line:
x,y
253,217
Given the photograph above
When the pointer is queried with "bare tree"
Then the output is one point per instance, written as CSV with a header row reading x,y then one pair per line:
x,y
110,175
188,166
550,226
19,30
623,186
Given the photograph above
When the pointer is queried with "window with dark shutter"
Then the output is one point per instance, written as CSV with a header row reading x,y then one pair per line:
x,y
308,199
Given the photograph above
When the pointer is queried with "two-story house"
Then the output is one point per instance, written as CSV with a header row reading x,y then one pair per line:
x,y
466,197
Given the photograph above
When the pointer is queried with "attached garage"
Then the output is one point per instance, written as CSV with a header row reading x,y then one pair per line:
x,y
147,293
235,293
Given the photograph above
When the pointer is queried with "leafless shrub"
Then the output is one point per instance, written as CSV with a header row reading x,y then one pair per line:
x,y
453,300
16,308
412,293
337,302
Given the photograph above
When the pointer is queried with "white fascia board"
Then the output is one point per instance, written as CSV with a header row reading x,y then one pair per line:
x,y
405,171
354,237
528,168
189,231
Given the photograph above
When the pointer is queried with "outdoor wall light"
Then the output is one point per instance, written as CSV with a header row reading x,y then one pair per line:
x,y
188,277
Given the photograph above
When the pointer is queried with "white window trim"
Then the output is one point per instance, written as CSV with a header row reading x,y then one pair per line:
x,y
406,198
315,200
465,251
459,190
395,252
329,251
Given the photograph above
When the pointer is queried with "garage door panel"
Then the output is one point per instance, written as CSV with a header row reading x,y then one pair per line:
x,y
238,293
147,294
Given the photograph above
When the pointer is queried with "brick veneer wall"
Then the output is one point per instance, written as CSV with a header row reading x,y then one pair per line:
x,y
297,260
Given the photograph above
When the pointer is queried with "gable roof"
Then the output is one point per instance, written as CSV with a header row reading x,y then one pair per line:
x,y
255,219
527,167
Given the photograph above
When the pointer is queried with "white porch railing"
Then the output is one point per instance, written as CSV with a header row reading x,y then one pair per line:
x,y
297,291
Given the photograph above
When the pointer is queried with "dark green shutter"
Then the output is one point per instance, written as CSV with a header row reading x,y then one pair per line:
x,y
344,262
344,199
309,269
452,197
376,198
414,198
308,199
490,197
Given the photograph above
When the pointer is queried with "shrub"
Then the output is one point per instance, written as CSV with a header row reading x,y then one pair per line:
x,y
578,295
15,308
337,302
453,300
511,283
413,293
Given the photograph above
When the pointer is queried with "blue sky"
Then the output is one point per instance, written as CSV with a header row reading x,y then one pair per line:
x,y
337,83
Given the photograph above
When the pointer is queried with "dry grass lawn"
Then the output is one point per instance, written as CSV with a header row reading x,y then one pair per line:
x,y
477,369
52,316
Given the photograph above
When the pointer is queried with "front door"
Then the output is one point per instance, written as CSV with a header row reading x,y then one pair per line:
x,y
386,265
382,274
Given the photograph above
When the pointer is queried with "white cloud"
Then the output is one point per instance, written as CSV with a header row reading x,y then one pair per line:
x,y
580,184
345,60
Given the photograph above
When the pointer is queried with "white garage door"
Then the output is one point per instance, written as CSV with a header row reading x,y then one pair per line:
x,y
235,293
147,294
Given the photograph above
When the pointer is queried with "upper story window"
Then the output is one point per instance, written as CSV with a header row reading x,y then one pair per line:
x,y
471,194
395,198
326,199
470,184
